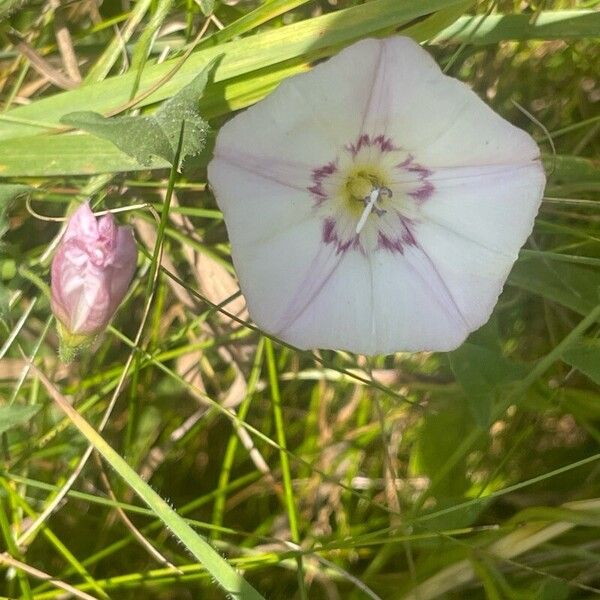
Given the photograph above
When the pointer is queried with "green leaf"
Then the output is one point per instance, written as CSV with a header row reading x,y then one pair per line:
x,y
571,174
482,372
573,286
442,431
207,7
140,137
8,194
436,22
11,416
233,584
585,356
157,134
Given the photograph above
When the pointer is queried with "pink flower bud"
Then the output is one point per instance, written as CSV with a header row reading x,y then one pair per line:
x,y
91,271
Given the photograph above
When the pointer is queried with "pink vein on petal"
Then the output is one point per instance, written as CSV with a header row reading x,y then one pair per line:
x,y
254,167
318,275
367,108
444,286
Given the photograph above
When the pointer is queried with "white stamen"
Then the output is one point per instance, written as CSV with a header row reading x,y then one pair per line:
x,y
373,197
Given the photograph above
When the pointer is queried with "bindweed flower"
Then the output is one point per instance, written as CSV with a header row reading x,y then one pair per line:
x,y
91,271
374,204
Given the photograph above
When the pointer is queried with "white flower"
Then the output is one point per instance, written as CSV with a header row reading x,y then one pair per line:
x,y
374,204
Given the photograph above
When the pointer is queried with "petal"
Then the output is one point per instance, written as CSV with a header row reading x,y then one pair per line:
x,y
123,268
68,267
471,275
255,207
494,207
82,224
377,304
125,249
436,117
280,277
91,308
307,120
59,307
340,315
413,309
107,228
472,228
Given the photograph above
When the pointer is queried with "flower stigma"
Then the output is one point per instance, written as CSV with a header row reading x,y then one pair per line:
x,y
371,206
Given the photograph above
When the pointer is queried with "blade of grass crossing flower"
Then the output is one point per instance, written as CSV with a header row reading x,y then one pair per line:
x,y
222,572
288,489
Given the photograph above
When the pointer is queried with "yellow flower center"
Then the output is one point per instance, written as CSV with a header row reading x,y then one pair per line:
x,y
359,184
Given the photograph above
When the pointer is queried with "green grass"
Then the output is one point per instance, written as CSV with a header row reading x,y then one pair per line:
x,y
232,464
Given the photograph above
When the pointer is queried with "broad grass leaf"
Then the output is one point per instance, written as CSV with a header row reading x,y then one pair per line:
x,y
157,134
495,28
12,416
585,357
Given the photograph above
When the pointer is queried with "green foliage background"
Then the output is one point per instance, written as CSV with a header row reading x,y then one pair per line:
x,y
473,474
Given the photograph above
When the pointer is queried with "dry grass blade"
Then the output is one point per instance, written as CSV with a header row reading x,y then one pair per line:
x,y
9,561
137,534
41,65
65,44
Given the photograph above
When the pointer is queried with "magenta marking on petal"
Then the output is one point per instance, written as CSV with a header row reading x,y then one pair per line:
x,y
405,162
422,193
424,187
409,164
329,231
383,143
318,176
317,190
329,235
407,237
422,171
397,243
329,169
386,243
